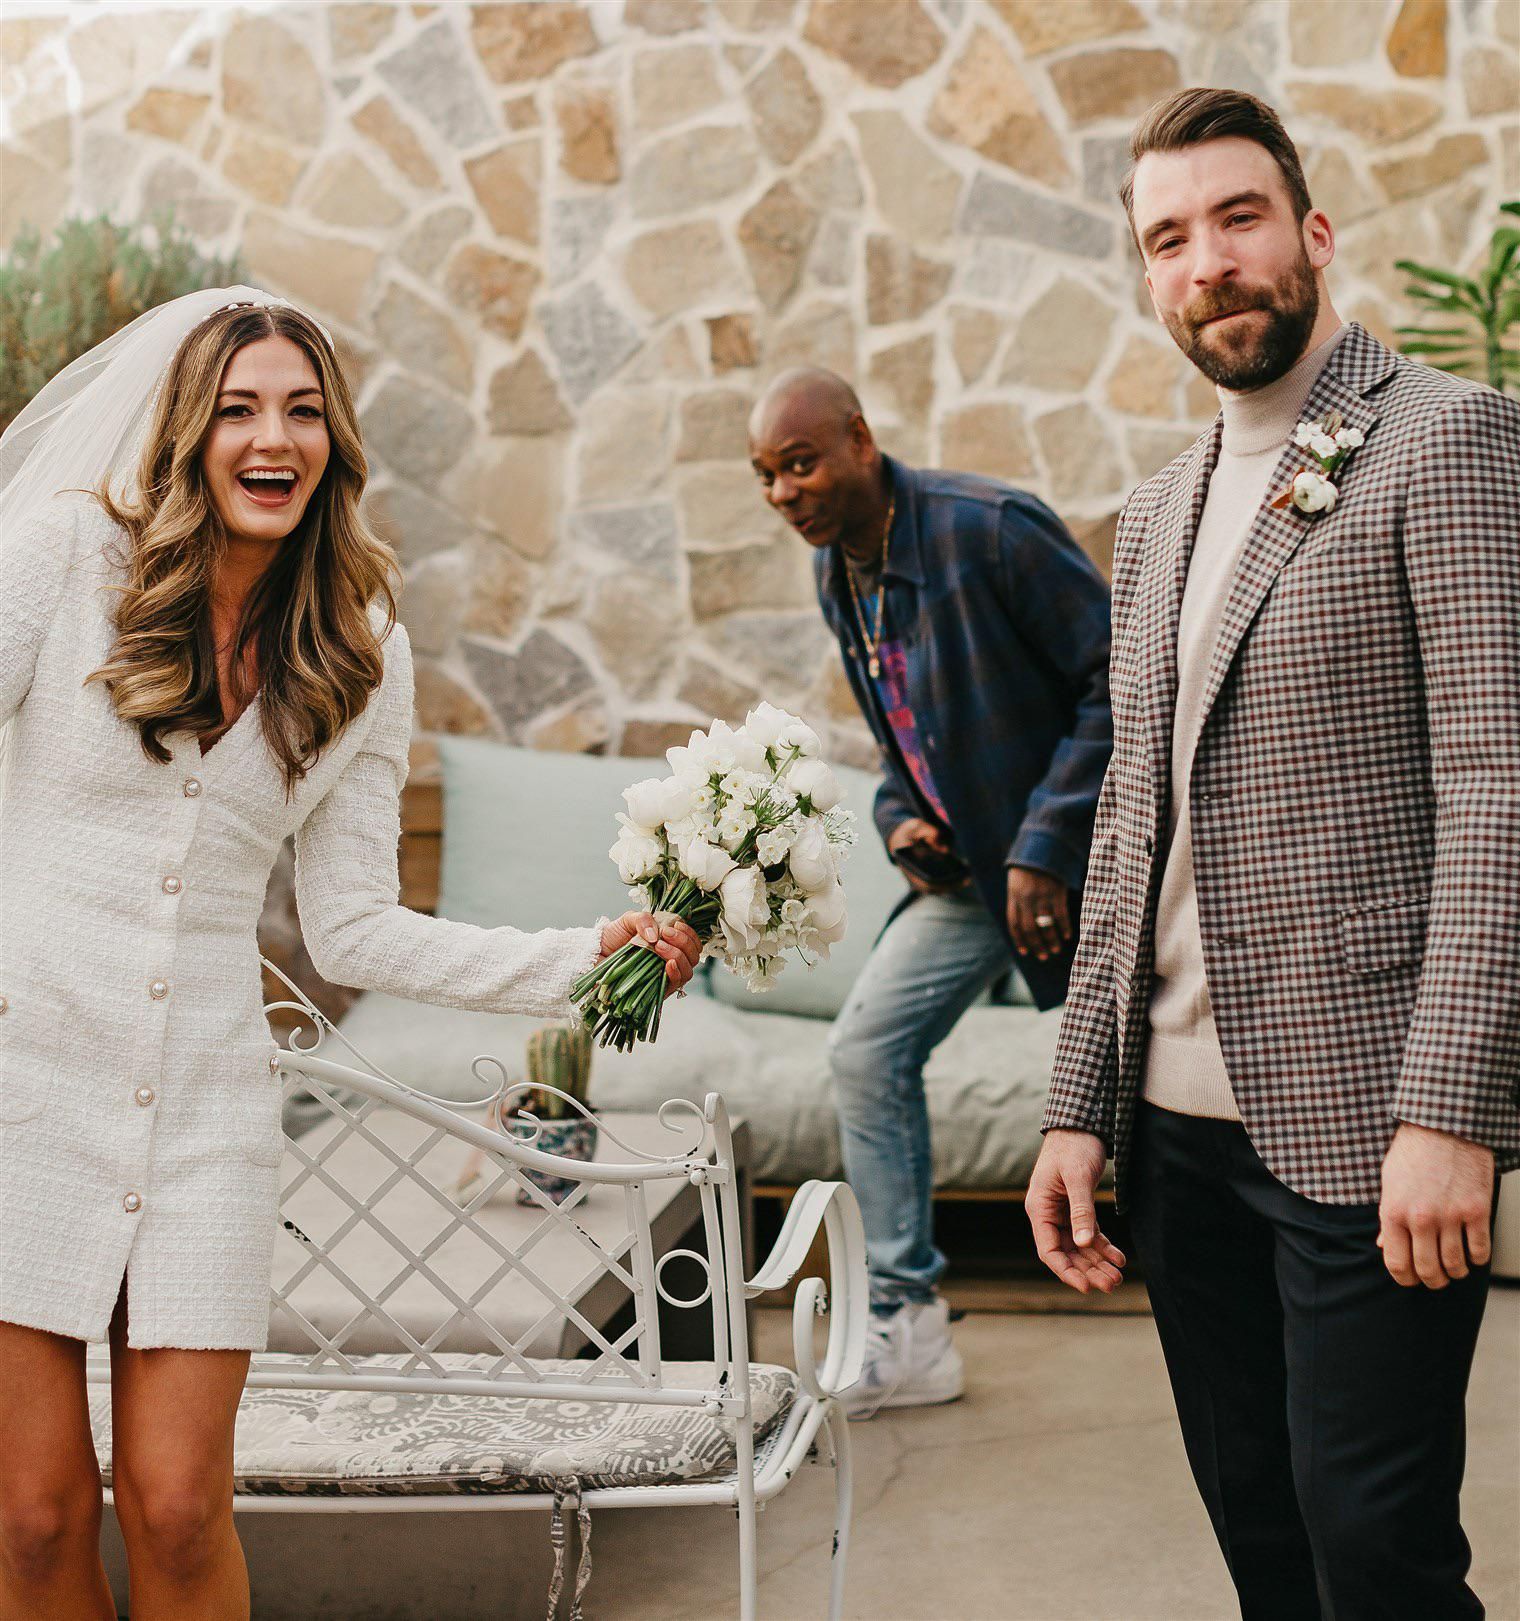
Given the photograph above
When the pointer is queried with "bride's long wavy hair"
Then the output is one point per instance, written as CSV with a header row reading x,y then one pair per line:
x,y
308,622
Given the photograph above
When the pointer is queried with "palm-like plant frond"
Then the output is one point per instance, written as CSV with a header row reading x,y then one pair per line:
x,y
1476,313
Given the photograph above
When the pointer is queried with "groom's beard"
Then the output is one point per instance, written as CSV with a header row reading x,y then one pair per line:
x,y
1246,355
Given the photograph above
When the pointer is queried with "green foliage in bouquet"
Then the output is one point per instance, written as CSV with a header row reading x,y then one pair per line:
x,y
559,1055
60,298
1480,312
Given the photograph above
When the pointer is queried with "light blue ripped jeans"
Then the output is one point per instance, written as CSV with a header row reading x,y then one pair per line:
x,y
931,964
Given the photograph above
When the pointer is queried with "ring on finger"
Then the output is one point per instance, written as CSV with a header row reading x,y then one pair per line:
x,y
1045,921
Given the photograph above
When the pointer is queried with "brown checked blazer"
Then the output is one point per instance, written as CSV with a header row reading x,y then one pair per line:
x,y
1355,796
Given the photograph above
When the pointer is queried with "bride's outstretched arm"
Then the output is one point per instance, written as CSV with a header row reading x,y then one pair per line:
x,y
347,886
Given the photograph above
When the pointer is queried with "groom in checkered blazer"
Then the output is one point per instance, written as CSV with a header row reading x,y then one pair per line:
x,y
1294,1016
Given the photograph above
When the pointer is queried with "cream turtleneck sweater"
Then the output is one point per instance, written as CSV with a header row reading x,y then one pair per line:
x,y
1184,1066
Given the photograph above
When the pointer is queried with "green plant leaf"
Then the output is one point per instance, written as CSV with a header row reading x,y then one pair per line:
x,y
1444,278
92,277
1449,302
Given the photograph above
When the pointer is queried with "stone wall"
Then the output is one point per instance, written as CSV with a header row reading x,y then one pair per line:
x,y
562,245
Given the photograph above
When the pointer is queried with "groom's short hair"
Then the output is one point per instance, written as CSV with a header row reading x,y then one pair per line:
x,y
1191,117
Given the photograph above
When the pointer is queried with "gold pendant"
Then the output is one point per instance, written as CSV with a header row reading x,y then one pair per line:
x,y
875,667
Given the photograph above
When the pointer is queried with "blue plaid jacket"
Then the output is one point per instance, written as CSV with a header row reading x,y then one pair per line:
x,y
1005,626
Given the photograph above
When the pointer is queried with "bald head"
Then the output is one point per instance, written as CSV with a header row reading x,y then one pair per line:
x,y
812,449
811,394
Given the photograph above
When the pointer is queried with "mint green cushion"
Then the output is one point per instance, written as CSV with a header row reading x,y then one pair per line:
x,y
526,834
986,1082
525,840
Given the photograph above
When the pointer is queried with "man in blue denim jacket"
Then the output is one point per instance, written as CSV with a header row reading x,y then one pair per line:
x,y
975,637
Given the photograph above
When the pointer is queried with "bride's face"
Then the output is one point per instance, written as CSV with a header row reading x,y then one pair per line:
x,y
268,444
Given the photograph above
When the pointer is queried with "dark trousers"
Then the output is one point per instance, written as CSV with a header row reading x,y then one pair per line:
x,y
1322,1406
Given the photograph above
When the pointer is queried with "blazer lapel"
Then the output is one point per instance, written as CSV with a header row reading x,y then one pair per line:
x,y
1277,532
1158,602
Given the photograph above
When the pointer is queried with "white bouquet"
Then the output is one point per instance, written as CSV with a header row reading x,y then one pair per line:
x,y
743,840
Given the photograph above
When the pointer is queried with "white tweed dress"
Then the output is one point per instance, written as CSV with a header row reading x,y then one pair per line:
x,y
139,1118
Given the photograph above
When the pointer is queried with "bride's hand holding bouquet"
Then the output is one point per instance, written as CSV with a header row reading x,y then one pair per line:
x,y
673,941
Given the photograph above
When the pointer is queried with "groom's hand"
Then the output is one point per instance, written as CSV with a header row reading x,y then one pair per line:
x,y
665,934
1061,1207
1433,1217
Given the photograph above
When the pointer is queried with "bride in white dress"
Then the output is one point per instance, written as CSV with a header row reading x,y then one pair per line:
x,y
198,659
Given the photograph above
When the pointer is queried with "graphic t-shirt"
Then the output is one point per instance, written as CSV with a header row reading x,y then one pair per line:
x,y
892,688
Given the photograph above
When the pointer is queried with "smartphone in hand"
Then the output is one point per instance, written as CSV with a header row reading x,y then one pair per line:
x,y
923,861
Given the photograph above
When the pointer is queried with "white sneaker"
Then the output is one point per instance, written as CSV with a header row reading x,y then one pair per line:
x,y
911,1361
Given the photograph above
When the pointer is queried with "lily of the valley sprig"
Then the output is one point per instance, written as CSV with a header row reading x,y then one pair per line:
x,y
1329,442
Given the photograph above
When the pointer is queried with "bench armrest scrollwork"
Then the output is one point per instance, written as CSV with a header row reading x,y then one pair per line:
x,y
844,1300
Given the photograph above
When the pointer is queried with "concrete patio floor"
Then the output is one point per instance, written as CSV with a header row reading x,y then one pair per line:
x,y
1056,1491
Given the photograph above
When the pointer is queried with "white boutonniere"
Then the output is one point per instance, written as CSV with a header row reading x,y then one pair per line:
x,y
1329,442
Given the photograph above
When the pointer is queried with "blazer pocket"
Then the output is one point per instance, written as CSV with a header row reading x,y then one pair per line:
x,y
256,1114
1385,935
28,1055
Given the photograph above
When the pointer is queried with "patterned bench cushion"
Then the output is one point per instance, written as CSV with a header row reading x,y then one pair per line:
x,y
377,1443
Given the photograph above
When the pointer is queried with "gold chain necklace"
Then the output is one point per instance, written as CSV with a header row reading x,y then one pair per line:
x,y
873,642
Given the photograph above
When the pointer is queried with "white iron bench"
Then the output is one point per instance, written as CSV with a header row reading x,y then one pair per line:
x,y
408,1424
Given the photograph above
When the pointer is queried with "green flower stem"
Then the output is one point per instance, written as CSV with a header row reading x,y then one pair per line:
x,y
621,997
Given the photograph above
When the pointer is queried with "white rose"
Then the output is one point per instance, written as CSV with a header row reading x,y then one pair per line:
x,y
705,864
826,913
684,763
1313,492
765,723
657,800
812,858
646,802
746,912
727,748
680,798
1323,446
813,780
749,753
638,855
706,754
798,736
793,911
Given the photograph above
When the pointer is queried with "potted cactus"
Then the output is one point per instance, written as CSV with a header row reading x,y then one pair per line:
x,y
559,1078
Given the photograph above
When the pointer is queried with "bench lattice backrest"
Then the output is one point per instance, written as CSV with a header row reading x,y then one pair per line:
x,y
381,1250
